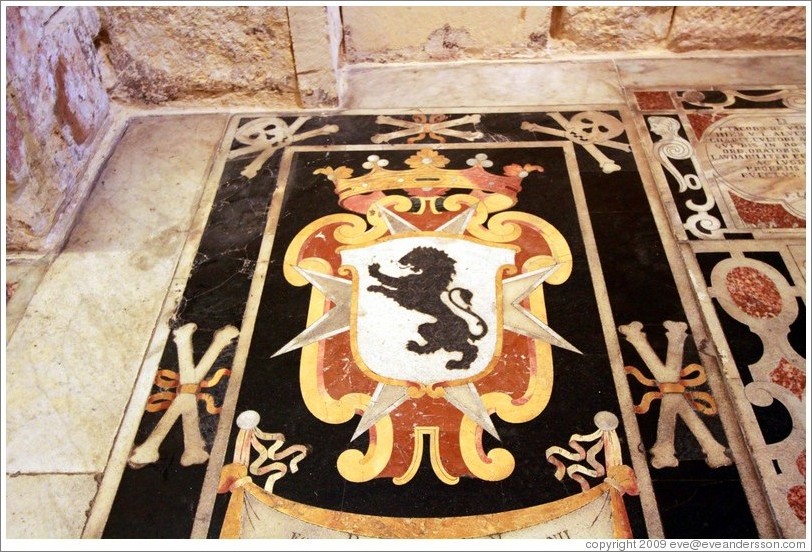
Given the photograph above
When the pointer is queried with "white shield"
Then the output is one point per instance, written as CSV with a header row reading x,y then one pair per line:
x,y
427,309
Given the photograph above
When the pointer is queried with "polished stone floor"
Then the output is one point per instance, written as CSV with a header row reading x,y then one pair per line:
x,y
573,310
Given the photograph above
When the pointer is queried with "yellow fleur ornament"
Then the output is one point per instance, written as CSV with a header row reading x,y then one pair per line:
x,y
334,175
427,158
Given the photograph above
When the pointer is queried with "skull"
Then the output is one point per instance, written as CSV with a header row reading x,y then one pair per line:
x,y
593,127
266,132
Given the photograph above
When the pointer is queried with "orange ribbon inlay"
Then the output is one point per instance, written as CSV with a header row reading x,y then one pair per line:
x,y
169,381
700,401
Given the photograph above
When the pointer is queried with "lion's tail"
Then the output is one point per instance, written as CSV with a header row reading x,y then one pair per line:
x,y
459,300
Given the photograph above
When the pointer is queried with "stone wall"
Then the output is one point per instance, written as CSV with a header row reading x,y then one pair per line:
x,y
56,105
580,29
67,66
229,55
737,28
403,34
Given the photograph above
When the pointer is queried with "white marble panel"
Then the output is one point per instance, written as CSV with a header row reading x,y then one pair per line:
x,y
711,71
480,84
74,357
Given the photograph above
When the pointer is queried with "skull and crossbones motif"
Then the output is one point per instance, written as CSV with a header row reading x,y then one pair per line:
x,y
434,126
588,129
268,134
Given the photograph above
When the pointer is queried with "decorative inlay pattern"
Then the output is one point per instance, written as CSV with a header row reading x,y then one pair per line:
x,y
746,151
790,377
672,146
757,295
654,101
796,498
761,215
701,121
753,292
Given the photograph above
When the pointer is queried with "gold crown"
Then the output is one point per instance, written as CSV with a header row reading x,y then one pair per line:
x,y
426,179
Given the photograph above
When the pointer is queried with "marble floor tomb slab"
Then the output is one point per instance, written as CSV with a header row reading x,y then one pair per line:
x,y
564,321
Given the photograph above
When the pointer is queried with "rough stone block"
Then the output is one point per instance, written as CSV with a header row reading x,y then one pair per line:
x,y
55,105
25,217
222,55
16,151
738,28
391,34
587,29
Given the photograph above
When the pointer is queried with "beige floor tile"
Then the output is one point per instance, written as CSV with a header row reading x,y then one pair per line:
x,y
76,352
22,279
52,506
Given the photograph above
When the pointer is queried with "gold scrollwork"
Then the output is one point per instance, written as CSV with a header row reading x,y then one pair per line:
x,y
502,228
355,466
498,463
434,453
494,465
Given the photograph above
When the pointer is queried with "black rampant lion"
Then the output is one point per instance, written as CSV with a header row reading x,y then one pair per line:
x,y
426,290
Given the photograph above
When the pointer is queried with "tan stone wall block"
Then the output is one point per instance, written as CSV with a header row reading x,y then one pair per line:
x,y
387,34
738,28
56,105
222,55
587,29
315,52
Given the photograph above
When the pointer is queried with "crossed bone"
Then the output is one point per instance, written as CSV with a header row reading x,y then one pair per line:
x,y
436,127
672,393
184,405
268,134
606,164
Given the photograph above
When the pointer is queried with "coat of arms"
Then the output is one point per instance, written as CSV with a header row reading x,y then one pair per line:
x,y
416,302
426,323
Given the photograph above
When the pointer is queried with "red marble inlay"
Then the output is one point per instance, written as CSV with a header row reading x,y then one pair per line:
x,y
753,292
765,215
801,462
788,376
652,101
796,497
701,121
